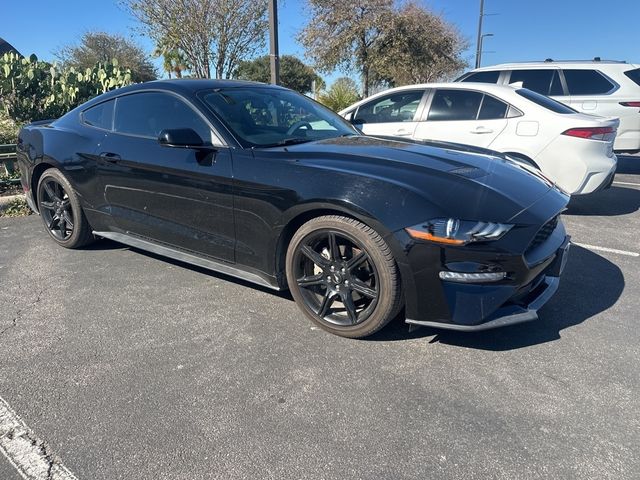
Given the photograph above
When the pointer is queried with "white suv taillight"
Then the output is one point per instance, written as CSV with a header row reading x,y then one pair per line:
x,y
630,104
591,133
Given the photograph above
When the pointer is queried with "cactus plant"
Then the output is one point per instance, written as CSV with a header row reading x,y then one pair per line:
x,y
31,89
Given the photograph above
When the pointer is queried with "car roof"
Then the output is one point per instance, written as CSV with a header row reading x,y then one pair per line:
x,y
465,85
554,64
185,86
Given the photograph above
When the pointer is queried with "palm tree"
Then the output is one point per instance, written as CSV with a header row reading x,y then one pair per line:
x,y
174,61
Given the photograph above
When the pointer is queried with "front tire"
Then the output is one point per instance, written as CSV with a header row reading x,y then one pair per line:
x,y
343,276
60,210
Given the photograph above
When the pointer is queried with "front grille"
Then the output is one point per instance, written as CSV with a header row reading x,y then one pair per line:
x,y
544,233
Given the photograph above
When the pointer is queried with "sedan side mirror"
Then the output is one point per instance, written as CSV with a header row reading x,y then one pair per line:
x,y
181,138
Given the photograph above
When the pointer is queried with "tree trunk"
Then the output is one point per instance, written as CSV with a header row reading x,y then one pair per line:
x,y
365,82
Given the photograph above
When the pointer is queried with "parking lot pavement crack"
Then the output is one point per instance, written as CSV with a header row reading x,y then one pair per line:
x,y
20,312
31,456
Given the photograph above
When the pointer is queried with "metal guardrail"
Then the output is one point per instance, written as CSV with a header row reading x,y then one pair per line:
x,y
7,158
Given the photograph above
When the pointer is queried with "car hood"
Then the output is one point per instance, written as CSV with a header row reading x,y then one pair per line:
x,y
461,180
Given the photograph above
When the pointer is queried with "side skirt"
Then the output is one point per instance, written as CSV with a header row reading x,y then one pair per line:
x,y
187,258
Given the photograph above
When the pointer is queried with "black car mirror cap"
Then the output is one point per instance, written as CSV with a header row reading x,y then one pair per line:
x,y
182,138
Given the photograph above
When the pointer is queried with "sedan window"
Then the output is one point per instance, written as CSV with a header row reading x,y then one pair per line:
x,y
450,105
545,102
397,107
492,108
147,114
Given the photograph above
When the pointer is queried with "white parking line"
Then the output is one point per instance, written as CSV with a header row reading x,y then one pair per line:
x,y
627,183
606,249
30,456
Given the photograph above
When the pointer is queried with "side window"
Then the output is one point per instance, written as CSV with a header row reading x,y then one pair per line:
x,y
492,108
483,77
537,80
397,107
100,116
454,105
147,114
587,82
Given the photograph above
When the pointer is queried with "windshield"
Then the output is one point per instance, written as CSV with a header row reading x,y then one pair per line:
x,y
268,117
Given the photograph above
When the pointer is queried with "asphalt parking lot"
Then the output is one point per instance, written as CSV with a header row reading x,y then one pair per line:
x,y
129,366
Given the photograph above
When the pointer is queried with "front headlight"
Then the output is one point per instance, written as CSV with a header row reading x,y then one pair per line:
x,y
451,231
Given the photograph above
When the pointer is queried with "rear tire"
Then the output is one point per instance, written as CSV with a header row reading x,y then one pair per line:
x,y
343,276
60,210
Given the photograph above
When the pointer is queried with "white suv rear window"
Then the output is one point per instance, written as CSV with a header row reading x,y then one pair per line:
x,y
587,82
634,75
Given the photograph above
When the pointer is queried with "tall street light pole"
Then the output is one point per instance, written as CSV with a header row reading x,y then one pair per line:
x,y
479,43
482,37
273,42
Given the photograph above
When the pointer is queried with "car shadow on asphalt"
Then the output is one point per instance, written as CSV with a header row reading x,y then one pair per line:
x,y
628,164
610,202
590,285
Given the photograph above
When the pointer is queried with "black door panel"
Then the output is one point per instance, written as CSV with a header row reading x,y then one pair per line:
x,y
170,194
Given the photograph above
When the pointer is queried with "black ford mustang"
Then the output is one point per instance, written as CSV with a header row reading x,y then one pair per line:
x,y
264,184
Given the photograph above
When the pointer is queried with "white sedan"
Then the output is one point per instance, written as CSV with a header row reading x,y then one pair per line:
x,y
573,149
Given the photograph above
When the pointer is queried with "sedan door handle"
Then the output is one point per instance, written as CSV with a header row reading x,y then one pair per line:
x,y
481,130
110,157
403,133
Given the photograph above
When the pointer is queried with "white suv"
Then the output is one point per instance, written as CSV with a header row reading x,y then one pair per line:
x,y
597,87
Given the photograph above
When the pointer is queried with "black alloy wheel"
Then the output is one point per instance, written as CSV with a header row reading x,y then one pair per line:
x,y
56,210
61,212
343,276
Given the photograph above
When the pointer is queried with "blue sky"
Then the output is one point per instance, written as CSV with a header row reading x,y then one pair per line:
x,y
523,30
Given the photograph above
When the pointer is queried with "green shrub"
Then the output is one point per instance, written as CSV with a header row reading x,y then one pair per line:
x,y
8,129
340,95
17,207
31,89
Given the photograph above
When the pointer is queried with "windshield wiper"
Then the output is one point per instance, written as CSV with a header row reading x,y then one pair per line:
x,y
288,141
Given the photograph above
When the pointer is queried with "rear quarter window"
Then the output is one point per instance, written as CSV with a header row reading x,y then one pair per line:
x,y
545,102
634,75
100,116
587,82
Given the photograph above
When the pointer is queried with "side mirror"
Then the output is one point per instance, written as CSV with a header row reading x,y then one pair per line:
x,y
181,138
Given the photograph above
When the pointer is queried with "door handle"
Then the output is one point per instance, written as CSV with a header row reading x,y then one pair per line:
x,y
110,157
403,133
481,130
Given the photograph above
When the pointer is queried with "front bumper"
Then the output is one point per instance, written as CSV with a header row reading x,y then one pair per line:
x,y
485,306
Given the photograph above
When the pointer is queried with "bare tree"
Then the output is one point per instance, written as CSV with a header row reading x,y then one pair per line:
x,y
342,33
218,33
101,47
417,46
